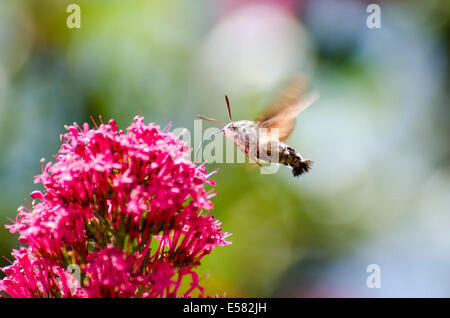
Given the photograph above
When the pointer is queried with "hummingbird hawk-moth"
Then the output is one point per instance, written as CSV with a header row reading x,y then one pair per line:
x,y
262,140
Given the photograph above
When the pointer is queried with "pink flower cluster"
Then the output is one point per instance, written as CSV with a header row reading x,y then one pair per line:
x,y
126,207
30,276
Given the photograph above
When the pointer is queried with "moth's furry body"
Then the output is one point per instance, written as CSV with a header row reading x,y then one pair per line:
x,y
254,142
262,140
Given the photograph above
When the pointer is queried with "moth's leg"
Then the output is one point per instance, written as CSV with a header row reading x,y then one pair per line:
x,y
259,162
255,160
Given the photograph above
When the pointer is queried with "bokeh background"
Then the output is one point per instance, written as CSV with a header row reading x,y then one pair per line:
x,y
379,192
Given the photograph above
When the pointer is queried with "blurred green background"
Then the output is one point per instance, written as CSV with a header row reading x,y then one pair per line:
x,y
379,191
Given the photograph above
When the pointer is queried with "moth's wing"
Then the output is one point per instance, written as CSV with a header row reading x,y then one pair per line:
x,y
286,106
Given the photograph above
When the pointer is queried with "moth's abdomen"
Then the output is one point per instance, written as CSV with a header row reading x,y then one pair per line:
x,y
289,157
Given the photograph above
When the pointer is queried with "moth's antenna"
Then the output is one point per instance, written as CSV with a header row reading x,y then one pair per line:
x,y
211,119
228,108
203,141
